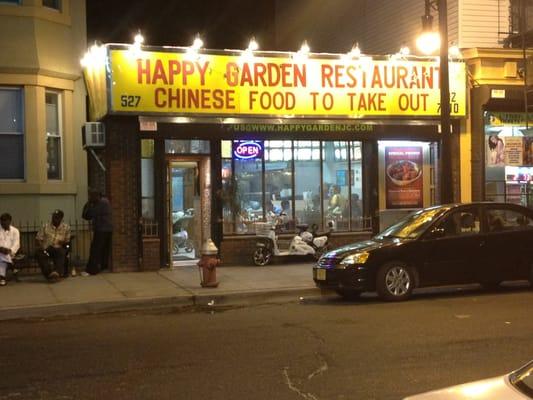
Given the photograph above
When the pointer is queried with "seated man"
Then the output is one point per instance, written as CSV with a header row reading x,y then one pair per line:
x,y
52,239
9,245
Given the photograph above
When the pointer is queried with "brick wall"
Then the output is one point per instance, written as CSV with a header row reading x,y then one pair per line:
x,y
151,260
122,160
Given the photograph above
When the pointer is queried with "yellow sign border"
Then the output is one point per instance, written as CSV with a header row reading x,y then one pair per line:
x,y
229,85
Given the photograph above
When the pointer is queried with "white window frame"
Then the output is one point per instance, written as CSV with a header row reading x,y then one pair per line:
x,y
60,133
21,133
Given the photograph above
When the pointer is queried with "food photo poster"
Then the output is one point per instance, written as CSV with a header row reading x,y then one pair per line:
x,y
403,177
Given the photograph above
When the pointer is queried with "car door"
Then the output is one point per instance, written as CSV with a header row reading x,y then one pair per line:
x,y
453,248
509,240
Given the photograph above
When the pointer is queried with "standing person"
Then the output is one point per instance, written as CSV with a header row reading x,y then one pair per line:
x,y
98,211
9,245
286,214
51,241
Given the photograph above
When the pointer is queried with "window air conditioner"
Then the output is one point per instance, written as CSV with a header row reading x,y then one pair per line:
x,y
93,135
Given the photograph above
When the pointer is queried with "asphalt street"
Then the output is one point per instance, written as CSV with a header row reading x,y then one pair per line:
x,y
317,348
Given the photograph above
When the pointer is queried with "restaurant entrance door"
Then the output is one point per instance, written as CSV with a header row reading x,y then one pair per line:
x,y
185,211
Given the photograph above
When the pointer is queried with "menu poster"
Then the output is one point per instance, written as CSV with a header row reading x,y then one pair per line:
x,y
403,177
514,151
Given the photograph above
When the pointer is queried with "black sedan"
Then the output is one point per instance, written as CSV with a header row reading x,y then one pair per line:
x,y
485,243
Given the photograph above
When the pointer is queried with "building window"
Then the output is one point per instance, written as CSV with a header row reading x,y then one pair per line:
x,y
516,15
55,4
147,179
53,136
187,147
11,134
296,182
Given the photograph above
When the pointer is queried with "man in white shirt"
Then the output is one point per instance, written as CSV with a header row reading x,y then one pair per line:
x,y
9,245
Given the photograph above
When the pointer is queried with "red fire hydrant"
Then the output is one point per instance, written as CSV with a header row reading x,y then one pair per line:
x,y
208,265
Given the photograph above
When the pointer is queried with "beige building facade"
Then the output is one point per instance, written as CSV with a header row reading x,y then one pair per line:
x,y
42,108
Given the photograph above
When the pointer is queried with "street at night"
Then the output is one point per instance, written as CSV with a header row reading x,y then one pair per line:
x,y
314,348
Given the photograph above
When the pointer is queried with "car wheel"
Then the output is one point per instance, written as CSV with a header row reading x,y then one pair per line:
x,y
189,246
262,256
395,281
348,294
175,249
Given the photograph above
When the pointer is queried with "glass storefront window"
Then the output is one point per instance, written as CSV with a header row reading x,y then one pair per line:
x,y
508,158
278,182
295,182
147,179
336,185
356,186
307,186
246,194
187,147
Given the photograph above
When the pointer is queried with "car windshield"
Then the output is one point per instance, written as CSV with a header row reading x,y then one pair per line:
x,y
413,225
523,379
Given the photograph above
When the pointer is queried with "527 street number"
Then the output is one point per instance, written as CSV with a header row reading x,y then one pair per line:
x,y
130,101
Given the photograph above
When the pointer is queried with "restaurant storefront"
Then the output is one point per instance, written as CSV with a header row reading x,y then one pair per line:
x,y
502,136
206,144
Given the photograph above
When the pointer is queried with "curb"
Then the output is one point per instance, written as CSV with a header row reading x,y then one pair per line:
x,y
99,307
275,296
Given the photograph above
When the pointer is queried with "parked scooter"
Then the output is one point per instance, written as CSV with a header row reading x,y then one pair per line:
x,y
180,236
305,243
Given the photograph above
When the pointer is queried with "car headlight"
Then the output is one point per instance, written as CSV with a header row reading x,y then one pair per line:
x,y
357,258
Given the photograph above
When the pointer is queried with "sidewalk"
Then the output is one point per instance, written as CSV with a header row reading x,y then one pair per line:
x,y
33,297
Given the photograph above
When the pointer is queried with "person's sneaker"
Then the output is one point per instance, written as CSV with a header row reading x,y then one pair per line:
x,y
73,272
83,273
3,281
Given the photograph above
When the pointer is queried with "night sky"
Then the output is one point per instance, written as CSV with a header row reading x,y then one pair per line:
x,y
220,23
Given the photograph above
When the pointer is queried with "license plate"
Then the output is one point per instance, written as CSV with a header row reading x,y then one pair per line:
x,y
320,274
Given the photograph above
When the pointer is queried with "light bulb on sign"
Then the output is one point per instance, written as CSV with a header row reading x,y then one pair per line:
x,y
454,52
138,39
253,46
355,52
95,57
198,43
404,51
302,54
304,50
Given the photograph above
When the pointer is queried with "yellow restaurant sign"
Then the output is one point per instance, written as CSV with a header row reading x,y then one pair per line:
x,y
228,85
